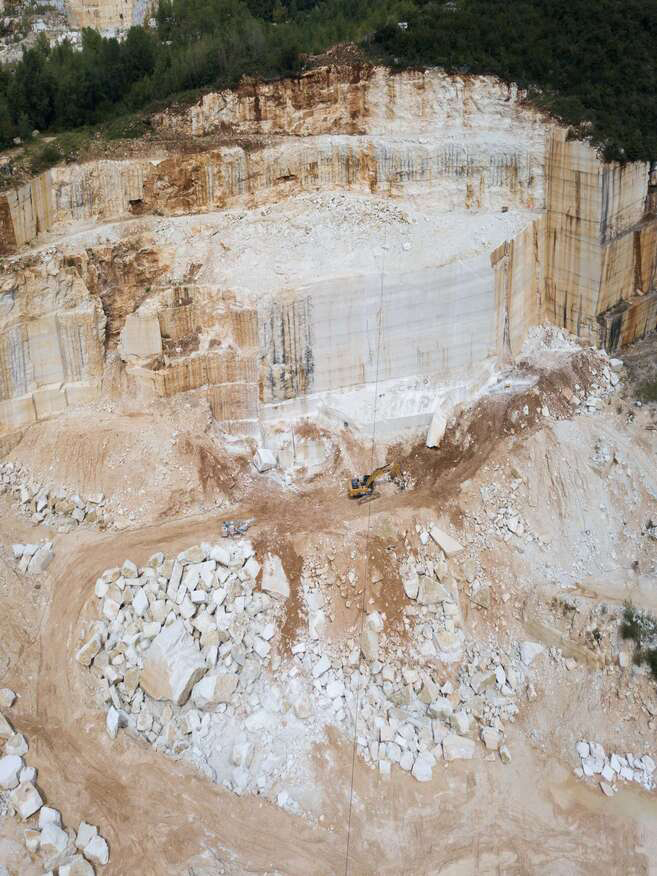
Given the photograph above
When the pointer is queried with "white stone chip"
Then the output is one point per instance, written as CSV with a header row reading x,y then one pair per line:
x,y
274,579
6,730
47,815
449,546
16,744
86,832
89,650
97,851
214,689
129,570
140,602
264,459
10,768
172,665
322,665
458,747
423,767
76,866
529,651
112,722
53,839
7,698
41,560
26,799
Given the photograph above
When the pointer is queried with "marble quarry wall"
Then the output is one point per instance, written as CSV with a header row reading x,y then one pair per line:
x,y
106,15
52,343
600,245
585,258
469,138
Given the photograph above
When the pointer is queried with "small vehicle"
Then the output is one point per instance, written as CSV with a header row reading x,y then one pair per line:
x,y
363,488
233,528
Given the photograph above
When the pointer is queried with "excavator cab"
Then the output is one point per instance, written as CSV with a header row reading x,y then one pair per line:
x,y
363,488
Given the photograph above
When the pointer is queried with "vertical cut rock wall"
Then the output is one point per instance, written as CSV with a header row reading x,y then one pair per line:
x,y
589,263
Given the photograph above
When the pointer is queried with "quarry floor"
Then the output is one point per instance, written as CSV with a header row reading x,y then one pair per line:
x,y
254,250
533,815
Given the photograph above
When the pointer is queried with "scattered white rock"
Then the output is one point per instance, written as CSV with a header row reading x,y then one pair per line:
x,y
26,799
264,459
112,722
76,866
16,744
47,815
436,429
423,767
214,689
6,730
41,559
529,651
53,840
491,737
7,698
458,747
86,832
10,768
89,650
97,851
449,546
274,579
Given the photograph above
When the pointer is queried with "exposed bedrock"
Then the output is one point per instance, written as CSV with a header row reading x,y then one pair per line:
x,y
496,222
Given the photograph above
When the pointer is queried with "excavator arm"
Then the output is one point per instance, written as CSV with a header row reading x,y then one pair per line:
x,y
361,487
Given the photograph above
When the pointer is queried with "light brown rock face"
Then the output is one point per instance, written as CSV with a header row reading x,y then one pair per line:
x,y
172,665
578,248
140,338
366,132
51,346
105,14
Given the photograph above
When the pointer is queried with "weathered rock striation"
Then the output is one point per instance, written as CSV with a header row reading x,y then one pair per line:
x,y
545,232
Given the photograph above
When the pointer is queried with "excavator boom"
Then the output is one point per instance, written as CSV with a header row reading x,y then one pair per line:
x,y
364,487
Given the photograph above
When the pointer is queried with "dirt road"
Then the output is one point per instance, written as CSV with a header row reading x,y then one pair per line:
x,y
159,815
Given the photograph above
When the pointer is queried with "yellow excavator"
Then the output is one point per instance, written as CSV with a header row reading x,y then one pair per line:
x,y
363,488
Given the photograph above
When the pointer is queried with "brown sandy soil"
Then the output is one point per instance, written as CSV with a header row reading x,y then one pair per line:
x,y
161,817
477,817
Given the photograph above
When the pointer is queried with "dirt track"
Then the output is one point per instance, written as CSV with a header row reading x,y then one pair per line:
x,y
159,815
162,818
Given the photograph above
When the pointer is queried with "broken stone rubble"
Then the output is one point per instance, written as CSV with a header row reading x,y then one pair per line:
x,y
230,633
410,728
53,507
33,559
610,769
46,835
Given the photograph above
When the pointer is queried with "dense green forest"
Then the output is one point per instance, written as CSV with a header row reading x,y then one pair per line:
x,y
594,66
591,63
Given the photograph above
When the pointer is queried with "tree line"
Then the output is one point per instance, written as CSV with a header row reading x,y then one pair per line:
x,y
594,67
194,44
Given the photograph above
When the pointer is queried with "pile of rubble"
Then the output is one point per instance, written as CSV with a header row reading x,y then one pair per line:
x,y
614,767
56,508
72,853
410,711
188,656
33,558
181,654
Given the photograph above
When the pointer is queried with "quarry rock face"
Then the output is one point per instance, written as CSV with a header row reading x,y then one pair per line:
x,y
516,226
